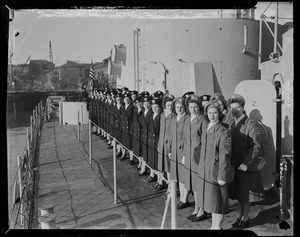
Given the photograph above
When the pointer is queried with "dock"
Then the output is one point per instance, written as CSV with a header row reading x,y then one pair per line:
x,y
82,194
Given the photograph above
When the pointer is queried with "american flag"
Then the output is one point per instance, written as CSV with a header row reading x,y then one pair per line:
x,y
92,75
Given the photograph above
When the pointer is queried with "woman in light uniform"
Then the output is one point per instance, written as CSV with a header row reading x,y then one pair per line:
x,y
216,145
177,169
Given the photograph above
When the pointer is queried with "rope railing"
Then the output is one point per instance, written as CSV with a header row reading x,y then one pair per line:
x,y
172,193
21,215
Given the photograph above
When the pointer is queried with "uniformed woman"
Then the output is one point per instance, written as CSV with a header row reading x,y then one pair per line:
x,y
111,118
147,116
177,169
247,186
126,114
136,129
191,150
153,135
216,145
227,118
118,121
163,164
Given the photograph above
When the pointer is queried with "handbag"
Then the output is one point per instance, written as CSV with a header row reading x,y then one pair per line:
x,y
214,170
260,162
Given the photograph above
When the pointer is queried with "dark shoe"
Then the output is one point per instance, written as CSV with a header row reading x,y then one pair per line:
x,y
182,205
200,218
141,173
150,179
190,217
236,223
133,162
243,224
138,169
154,185
98,134
103,138
124,158
130,162
110,147
119,154
94,133
160,187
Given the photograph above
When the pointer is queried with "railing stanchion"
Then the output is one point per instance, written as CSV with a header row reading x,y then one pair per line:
x,y
173,205
20,188
90,141
78,127
166,211
115,170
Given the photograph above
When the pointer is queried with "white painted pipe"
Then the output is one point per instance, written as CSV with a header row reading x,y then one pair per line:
x,y
90,141
173,205
115,170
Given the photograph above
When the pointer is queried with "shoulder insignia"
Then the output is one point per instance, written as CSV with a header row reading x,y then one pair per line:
x,y
229,140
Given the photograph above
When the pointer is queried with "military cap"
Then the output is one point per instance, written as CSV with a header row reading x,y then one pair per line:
x,y
125,89
236,98
217,96
145,93
147,98
168,97
138,99
156,100
193,99
127,94
118,95
134,92
185,95
113,92
205,97
158,94
212,104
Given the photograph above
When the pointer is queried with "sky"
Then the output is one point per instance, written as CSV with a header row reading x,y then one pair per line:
x,y
86,35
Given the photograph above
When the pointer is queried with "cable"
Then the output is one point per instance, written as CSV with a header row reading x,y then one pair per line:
x,y
266,9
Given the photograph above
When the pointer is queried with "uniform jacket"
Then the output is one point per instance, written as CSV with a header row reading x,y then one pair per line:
x,y
153,136
98,111
246,145
212,196
118,123
126,117
144,134
136,131
192,147
176,144
164,137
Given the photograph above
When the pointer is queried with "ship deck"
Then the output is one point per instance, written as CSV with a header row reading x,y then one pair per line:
x,y
82,194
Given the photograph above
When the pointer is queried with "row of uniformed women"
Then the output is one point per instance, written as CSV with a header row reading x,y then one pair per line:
x,y
187,142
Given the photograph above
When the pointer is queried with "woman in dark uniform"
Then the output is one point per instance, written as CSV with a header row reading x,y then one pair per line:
x,y
247,186
111,118
147,116
216,145
136,129
153,135
126,114
118,120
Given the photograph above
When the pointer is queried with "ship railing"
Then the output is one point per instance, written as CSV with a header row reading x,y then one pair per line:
x,y
23,186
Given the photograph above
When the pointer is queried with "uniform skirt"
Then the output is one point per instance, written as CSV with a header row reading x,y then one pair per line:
x,y
247,186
